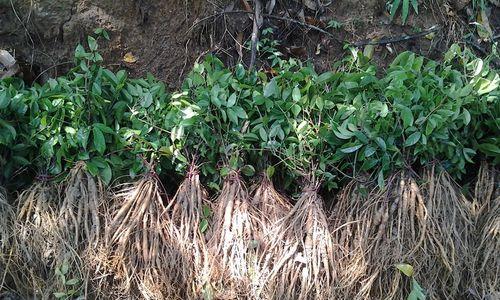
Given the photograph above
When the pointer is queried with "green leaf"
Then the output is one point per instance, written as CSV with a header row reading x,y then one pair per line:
x,y
406,115
104,128
232,100
203,225
484,86
361,137
96,89
98,140
320,103
368,164
296,94
70,130
232,116
417,293
92,168
82,137
271,88
224,172
248,170
384,110
489,149
343,133
65,267
412,139
381,143
263,134
414,3
20,160
80,51
405,269
466,115
4,99
146,100
60,295
351,149
214,96
106,174
72,281
240,112
394,8
207,212
270,171
110,76
92,43
380,179
240,71
296,109
369,151
47,149
325,77
404,10
467,154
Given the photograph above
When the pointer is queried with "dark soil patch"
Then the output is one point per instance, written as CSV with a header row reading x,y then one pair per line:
x,y
161,37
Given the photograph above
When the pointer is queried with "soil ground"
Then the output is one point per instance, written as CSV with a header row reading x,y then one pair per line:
x,y
165,37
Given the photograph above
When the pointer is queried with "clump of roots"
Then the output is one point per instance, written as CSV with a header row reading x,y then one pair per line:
x,y
184,214
272,208
81,209
486,269
366,223
36,241
80,223
232,243
135,242
303,251
425,226
447,249
6,215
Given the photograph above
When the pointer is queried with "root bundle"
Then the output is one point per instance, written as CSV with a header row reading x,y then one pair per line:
x,y
485,275
135,242
374,228
258,247
446,249
303,251
272,208
36,241
232,243
81,210
6,215
190,260
426,226
80,223
487,262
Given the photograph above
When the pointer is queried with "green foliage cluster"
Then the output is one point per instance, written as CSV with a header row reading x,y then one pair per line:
x,y
92,114
292,120
394,6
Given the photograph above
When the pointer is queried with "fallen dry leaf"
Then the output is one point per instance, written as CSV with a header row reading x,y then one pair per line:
x,y
239,44
318,49
368,51
246,6
430,35
315,22
129,58
484,30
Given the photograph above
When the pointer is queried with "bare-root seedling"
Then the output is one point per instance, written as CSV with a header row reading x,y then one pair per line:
x,y
185,214
135,242
232,241
36,241
303,249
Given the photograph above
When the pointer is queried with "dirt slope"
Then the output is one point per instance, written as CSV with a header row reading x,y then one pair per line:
x,y
162,39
